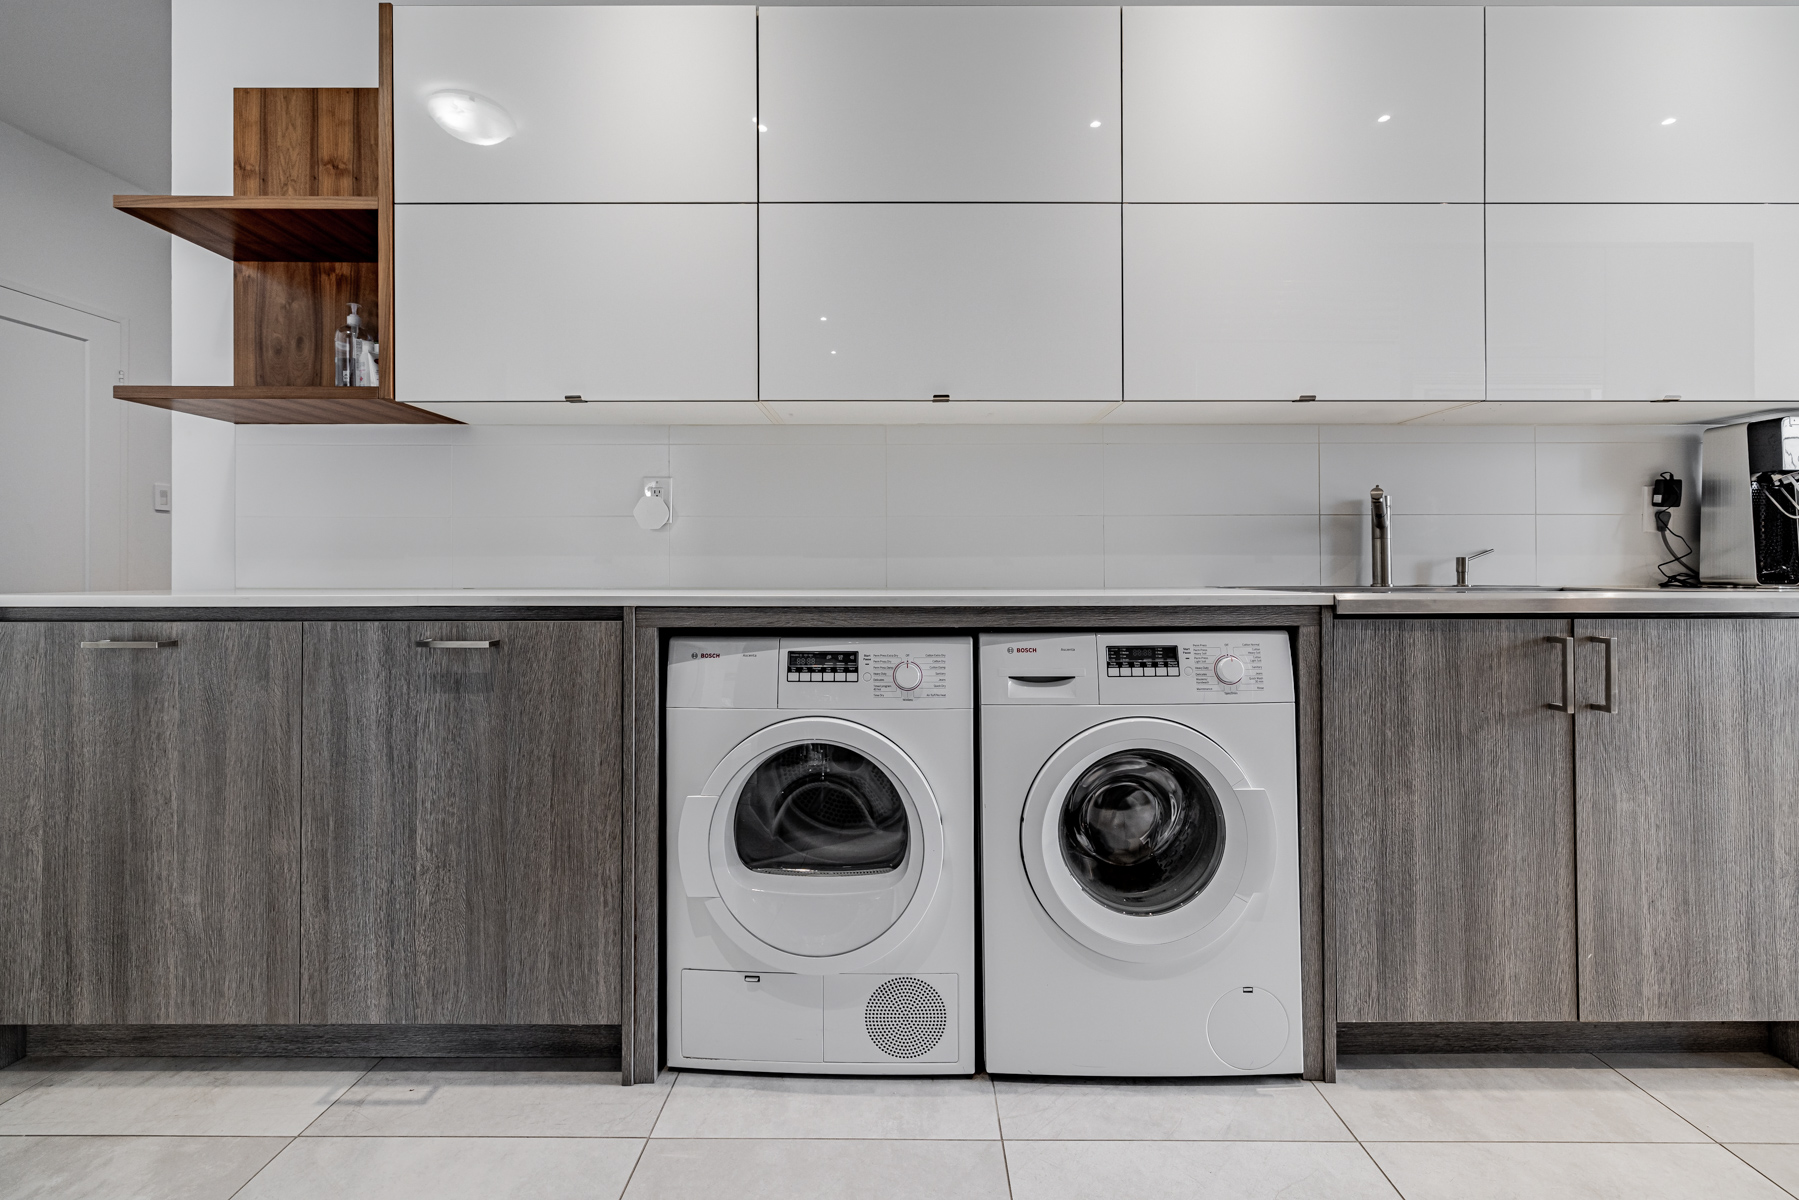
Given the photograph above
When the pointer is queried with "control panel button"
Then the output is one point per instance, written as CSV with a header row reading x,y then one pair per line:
x,y
907,675
1228,669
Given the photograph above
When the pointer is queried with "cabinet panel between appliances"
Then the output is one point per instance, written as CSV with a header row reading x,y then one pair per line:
x,y
608,302
921,103
1286,103
611,103
1636,104
1642,301
910,301
1272,302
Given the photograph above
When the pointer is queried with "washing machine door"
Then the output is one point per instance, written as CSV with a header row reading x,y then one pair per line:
x,y
1144,841
817,844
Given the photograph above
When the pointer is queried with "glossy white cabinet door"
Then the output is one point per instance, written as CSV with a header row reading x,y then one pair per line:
x,y
1640,301
625,103
1277,301
1639,104
1288,103
919,103
910,301
606,301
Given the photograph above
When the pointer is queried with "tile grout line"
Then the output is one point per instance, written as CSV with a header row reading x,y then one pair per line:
x,y
296,1137
1708,1137
999,1124
1360,1145
644,1149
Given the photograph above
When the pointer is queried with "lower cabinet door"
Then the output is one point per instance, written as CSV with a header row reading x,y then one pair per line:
x,y
461,823
1450,801
1689,820
149,823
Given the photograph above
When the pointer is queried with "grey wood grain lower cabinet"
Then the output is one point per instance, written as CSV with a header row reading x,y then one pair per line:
x,y
149,823
461,823
1689,821
1451,791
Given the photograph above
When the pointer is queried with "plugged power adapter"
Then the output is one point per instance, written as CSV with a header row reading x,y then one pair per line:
x,y
1665,491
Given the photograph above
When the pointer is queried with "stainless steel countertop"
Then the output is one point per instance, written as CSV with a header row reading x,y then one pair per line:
x,y
1449,602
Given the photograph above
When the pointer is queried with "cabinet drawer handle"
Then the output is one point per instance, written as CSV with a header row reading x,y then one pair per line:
x,y
109,644
429,644
1611,695
1567,702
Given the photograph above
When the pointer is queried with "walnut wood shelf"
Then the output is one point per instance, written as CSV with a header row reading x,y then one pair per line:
x,y
267,228
284,405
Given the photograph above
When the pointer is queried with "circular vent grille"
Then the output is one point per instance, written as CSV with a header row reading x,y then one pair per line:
x,y
905,1017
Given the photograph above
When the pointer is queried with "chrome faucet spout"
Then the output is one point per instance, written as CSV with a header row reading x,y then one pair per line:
x,y
1461,565
1380,540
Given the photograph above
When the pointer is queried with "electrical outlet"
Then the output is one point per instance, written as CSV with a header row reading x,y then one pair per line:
x,y
159,498
1648,513
656,505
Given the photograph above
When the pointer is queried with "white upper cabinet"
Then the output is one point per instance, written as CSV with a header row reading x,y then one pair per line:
x,y
608,104
1643,301
920,103
1274,302
1640,104
1246,104
911,301
603,301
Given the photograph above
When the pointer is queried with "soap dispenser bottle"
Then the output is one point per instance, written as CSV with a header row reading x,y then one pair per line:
x,y
357,357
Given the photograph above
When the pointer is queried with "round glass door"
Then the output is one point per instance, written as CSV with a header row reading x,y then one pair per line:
x,y
1142,832
820,809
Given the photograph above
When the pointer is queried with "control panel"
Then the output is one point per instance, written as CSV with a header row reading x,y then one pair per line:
x,y
1196,667
877,673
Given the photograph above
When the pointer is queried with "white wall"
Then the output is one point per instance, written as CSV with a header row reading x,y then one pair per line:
x,y
943,506
61,240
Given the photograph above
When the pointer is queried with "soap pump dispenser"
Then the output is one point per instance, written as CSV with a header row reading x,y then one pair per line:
x,y
356,355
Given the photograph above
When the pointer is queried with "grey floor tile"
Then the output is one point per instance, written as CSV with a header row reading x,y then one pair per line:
x,y
1194,1171
1497,1098
822,1106
768,1169
434,1168
17,1078
217,1097
1234,1110
1732,1097
1778,1162
493,1097
1568,1171
143,1168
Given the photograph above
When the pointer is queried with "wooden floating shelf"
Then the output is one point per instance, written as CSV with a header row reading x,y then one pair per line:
x,y
267,228
284,405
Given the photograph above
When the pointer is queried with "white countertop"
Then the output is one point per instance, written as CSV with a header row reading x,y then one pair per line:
x,y
677,598
1348,602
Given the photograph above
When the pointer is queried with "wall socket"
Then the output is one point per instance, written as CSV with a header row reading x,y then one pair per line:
x,y
159,498
656,503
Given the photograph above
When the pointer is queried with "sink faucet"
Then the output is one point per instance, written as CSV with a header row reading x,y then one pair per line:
x,y
1380,542
1461,565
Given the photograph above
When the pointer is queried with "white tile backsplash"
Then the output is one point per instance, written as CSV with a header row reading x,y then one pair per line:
x,y
945,506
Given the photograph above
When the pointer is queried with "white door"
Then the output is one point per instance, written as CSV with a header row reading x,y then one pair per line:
x,y
604,301
1302,103
922,103
612,103
911,301
62,449
1278,301
1638,104
1145,842
1643,301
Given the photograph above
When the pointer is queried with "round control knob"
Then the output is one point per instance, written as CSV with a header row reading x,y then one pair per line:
x,y
1228,669
907,675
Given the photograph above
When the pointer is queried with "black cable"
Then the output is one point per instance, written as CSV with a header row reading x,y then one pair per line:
x,y
1684,576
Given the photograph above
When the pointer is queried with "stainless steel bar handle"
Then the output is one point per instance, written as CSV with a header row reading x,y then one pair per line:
x,y
1611,674
109,644
1567,704
429,644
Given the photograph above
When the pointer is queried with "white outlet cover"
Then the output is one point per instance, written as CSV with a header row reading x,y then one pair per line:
x,y
655,507
159,498
1648,512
